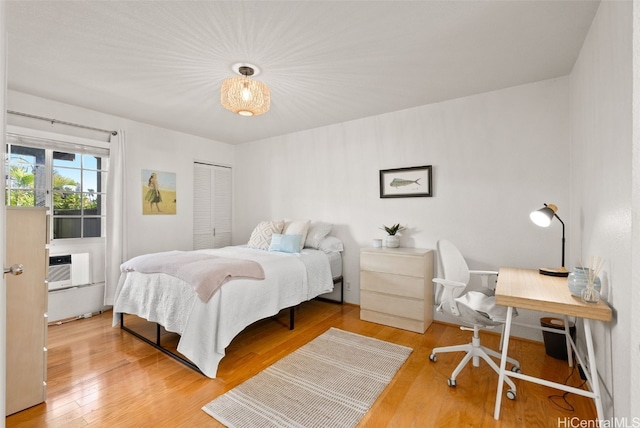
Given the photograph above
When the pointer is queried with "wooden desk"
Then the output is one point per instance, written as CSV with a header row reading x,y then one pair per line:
x,y
527,289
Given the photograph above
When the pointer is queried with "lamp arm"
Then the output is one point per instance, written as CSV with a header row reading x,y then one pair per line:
x,y
563,240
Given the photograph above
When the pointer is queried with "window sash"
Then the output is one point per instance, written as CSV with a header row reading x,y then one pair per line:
x,y
73,224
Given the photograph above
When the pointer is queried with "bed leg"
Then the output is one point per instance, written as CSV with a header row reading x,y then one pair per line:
x,y
336,281
157,345
291,317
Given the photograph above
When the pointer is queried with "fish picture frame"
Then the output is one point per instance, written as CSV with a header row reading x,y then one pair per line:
x,y
406,182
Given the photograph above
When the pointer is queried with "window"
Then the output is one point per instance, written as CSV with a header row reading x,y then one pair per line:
x,y
70,178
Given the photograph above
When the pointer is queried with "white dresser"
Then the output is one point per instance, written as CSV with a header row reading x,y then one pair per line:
x,y
396,288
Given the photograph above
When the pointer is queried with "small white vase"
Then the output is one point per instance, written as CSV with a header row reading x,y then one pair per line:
x,y
392,241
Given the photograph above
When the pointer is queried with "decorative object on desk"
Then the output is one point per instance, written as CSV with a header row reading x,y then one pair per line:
x,y
578,280
377,243
391,240
405,182
591,293
542,218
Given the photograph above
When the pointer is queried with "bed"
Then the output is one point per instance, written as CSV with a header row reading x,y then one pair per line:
x,y
207,328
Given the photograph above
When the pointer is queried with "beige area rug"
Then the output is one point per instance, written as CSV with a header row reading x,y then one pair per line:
x,y
331,381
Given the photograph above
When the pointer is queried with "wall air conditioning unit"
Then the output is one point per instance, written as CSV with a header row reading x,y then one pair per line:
x,y
68,270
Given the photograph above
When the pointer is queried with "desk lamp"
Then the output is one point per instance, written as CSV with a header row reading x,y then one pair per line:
x,y
542,218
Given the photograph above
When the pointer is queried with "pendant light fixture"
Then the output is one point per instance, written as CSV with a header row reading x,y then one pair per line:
x,y
245,96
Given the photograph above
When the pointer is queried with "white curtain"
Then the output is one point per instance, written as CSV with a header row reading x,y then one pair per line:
x,y
116,225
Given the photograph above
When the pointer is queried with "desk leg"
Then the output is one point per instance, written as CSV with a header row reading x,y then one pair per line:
x,y
503,362
567,335
593,370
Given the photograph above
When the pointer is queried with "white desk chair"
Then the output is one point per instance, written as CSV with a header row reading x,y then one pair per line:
x,y
475,308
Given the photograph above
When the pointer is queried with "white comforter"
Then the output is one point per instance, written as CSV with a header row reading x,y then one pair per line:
x,y
206,329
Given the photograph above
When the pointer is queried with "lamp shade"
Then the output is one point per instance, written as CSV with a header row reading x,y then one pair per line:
x,y
543,216
245,96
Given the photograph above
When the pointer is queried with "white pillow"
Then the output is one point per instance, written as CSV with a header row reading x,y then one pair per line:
x,y
317,232
297,227
261,235
331,244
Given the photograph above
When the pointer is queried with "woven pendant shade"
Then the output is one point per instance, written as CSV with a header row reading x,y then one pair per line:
x,y
245,96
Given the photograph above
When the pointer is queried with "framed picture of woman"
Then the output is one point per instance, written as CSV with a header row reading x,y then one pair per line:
x,y
158,192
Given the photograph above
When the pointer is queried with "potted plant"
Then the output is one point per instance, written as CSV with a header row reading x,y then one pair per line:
x,y
391,240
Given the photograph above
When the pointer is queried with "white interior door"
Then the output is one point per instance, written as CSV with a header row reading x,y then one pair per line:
x,y
211,206
26,297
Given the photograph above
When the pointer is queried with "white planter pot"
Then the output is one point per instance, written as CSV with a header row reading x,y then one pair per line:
x,y
392,241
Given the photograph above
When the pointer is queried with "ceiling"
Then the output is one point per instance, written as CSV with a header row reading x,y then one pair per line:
x,y
162,62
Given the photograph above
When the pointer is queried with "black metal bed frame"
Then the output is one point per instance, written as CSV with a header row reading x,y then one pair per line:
x,y
158,344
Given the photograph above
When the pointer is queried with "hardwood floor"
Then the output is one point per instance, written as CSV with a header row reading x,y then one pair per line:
x,y
101,376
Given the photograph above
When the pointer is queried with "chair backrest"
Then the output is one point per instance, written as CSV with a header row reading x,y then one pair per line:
x,y
475,305
452,263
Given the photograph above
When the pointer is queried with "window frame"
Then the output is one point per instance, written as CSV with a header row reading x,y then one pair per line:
x,y
51,142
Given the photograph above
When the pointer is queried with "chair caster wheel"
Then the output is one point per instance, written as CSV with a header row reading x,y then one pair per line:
x,y
515,369
511,394
451,382
433,358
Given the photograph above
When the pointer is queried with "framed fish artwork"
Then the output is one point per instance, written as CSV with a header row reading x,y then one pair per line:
x,y
406,182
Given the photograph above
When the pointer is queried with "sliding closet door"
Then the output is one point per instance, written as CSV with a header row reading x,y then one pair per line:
x,y
211,206
221,206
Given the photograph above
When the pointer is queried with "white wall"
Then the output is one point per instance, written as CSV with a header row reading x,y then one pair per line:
x,y
601,181
634,378
163,150
496,157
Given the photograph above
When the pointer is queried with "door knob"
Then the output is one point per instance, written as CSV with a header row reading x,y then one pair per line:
x,y
16,269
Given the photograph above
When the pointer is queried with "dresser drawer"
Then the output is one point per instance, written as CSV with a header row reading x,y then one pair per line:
x,y
392,305
400,264
399,285
394,321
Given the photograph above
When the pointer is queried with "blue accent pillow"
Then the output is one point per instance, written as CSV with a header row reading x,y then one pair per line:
x,y
285,243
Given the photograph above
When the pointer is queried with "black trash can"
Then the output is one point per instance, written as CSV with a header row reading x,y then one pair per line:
x,y
554,343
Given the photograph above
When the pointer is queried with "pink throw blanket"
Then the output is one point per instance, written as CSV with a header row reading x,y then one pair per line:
x,y
204,272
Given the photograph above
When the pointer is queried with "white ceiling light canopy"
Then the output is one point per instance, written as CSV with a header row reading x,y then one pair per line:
x,y
245,96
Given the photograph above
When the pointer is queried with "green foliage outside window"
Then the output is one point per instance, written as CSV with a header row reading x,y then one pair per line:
x,y
65,192
22,192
